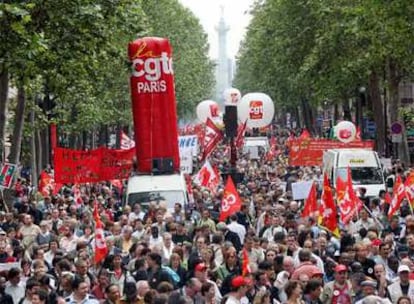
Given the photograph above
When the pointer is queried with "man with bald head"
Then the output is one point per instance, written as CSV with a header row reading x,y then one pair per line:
x,y
142,289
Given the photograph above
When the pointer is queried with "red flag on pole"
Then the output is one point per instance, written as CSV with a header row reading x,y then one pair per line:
x,y
231,202
311,203
409,188
327,209
46,183
305,134
397,197
240,134
208,177
101,250
245,267
212,137
340,189
350,204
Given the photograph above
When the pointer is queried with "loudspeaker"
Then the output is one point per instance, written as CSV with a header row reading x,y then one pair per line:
x,y
162,165
230,121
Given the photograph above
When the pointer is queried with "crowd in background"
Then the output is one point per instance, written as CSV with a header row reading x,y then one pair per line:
x,y
186,255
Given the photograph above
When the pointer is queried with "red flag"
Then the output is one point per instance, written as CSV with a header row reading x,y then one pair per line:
x,y
101,250
212,137
117,183
387,198
340,189
409,188
231,202
245,267
240,134
208,177
397,197
327,209
305,134
350,203
311,203
126,142
45,183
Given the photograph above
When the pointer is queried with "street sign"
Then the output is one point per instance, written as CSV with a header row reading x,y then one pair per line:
x,y
396,128
396,138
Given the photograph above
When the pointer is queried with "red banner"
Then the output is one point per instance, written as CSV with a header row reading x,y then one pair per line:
x,y
309,152
212,137
153,101
74,166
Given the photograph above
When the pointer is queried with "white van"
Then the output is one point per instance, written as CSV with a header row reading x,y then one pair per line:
x,y
253,145
365,165
146,189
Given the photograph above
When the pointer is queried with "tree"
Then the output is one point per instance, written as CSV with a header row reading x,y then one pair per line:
x,y
193,70
324,51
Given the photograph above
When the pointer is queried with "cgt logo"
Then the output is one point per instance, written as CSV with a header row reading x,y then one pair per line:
x,y
153,67
256,109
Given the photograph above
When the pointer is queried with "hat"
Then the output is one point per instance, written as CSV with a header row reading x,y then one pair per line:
x,y
200,267
221,226
370,283
2,232
340,268
403,268
239,281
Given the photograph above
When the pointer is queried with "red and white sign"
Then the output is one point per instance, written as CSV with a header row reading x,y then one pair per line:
x,y
153,101
256,109
345,131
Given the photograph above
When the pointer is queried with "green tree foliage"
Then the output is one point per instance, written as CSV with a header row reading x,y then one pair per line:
x,y
72,55
193,70
324,50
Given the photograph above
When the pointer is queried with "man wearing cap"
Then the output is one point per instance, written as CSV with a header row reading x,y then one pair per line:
x,y
369,287
403,287
338,291
200,272
239,287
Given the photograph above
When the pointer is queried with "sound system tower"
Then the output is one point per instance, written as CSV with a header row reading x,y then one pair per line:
x,y
230,121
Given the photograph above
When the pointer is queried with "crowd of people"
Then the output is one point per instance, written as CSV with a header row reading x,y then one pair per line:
x,y
265,253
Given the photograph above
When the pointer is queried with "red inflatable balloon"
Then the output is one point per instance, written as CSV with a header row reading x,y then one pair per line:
x,y
153,102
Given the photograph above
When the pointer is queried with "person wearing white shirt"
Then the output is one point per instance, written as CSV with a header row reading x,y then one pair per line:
x,y
14,287
167,247
155,239
139,230
270,232
237,228
136,214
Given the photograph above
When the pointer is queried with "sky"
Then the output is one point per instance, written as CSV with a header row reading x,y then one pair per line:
x,y
236,16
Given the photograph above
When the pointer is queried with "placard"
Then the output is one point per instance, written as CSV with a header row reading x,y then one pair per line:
x,y
300,190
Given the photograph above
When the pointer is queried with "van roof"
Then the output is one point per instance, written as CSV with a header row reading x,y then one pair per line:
x,y
352,150
155,182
